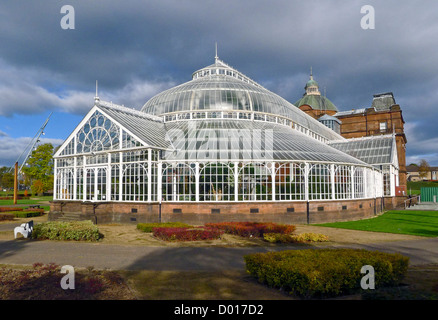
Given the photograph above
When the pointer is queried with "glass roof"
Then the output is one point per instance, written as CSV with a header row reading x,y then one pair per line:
x,y
221,139
221,88
375,150
147,128
230,140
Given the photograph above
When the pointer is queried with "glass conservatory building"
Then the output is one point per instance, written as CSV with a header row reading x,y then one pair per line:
x,y
220,138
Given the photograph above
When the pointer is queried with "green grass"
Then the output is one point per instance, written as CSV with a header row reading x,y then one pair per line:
x,y
32,200
417,223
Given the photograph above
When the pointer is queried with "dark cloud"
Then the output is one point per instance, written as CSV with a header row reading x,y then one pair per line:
x,y
137,48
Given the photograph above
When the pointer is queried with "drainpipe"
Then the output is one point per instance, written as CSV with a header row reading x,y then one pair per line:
x,y
94,212
308,212
159,211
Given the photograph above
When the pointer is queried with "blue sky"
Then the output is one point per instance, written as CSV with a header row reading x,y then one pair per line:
x,y
136,49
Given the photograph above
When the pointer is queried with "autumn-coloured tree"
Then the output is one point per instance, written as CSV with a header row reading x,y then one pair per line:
x,y
40,167
423,169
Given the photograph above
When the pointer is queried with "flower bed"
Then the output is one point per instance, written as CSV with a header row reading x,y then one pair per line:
x,y
295,238
187,234
6,217
148,227
324,272
252,229
7,209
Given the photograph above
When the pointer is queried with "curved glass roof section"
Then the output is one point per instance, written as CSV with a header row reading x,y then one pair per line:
x,y
229,140
219,87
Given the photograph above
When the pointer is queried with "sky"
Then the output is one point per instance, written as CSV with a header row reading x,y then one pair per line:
x,y
136,49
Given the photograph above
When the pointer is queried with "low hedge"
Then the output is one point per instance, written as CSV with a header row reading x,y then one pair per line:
x,y
324,272
295,238
27,213
252,229
148,227
59,230
186,234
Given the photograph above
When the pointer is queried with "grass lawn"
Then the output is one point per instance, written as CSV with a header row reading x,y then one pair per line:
x,y
32,200
417,223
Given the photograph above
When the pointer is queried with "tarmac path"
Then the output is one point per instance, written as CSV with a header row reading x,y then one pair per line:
x,y
121,257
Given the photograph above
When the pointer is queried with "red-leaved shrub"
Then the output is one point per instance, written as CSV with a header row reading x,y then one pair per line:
x,y
187,234
252,229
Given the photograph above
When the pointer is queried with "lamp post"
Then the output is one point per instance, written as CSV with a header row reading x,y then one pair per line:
x,y
16,183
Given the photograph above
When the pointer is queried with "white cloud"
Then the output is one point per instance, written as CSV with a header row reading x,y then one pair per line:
x,y
24,91
13,149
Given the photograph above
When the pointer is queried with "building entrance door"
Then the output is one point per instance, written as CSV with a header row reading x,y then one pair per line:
x,y
96,184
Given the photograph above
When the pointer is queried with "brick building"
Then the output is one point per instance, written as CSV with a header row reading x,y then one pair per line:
x,y
384,117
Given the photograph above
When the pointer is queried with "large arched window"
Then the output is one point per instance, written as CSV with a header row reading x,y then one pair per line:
x,y
290,182
319,182
216,182
178,182
97,134
255,182
343,182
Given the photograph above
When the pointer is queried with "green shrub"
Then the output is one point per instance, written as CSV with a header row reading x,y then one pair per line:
x,y
294,238
324,272
74,230
148,227
28,213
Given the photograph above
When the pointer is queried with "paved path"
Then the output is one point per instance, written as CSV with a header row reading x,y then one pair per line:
x,y
100,256
428,206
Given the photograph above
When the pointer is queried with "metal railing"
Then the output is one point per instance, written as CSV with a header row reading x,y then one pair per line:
x,y
412,201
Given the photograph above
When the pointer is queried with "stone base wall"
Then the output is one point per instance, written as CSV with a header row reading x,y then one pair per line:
x,y
200,213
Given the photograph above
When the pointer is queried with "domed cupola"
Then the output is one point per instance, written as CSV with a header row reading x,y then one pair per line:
x,y
313,98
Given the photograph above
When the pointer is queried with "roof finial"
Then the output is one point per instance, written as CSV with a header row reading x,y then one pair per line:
x,y
311,73
216,58
96,97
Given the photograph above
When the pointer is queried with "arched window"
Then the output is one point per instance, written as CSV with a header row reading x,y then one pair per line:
x,y
216,182
255,182
178,182
290,182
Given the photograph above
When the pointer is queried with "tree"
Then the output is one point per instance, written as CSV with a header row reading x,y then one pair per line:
x,y
7,180
40,167
37,187
423,169
3,171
